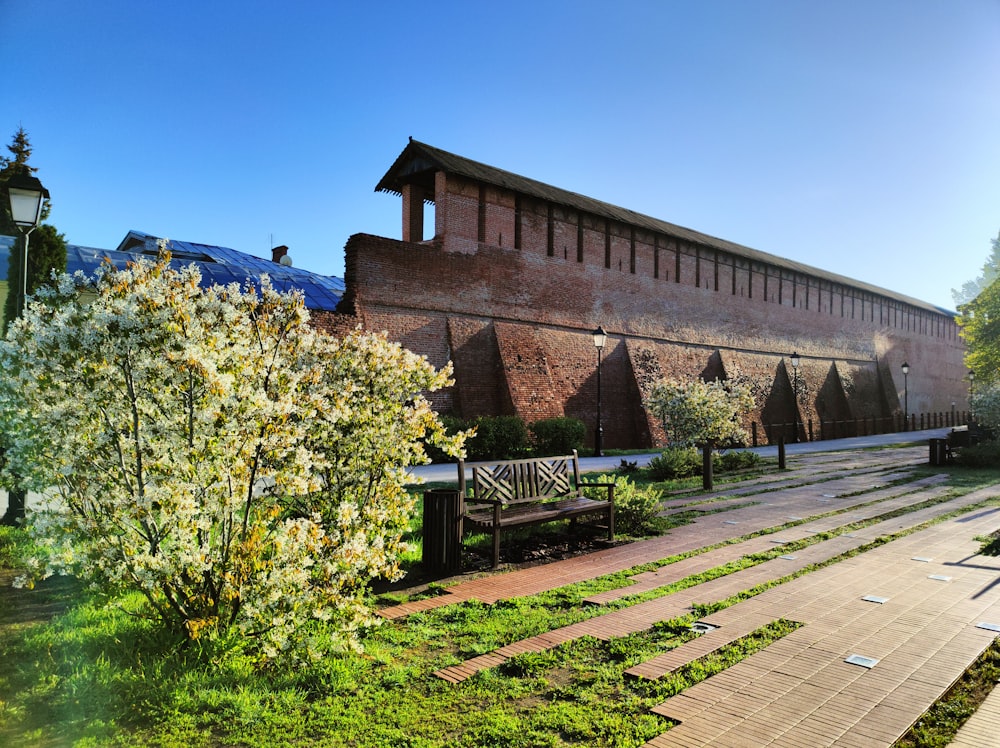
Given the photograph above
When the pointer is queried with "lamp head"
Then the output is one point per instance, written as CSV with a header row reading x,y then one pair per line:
x,y
600,338
906,368
27,196
795,360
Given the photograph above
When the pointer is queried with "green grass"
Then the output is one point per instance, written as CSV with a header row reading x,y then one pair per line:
x,y
79,672
14,545
96,677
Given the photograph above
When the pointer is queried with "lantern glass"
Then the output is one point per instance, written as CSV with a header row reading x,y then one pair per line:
x,y
600,337
25,206
795,360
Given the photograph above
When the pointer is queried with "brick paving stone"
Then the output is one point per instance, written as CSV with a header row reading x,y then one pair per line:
x,y
876,734
701,729
810,734
681,707
847,740
711,693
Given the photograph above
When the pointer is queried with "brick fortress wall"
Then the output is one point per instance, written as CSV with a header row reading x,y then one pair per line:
x,y
511,286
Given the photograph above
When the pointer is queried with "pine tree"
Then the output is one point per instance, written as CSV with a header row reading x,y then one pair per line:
x,y
20,147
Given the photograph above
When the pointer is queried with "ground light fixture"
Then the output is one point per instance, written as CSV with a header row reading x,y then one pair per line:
x,y
600,338
27,196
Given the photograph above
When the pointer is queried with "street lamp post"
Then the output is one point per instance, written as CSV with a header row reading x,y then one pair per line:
x,y
906,397
27,196
795,391
600,338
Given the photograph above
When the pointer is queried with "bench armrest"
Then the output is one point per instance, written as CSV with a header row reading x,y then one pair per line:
x,y
609,486
476,500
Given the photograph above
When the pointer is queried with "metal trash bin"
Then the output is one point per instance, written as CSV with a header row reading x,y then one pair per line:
x,y
442,530
938,451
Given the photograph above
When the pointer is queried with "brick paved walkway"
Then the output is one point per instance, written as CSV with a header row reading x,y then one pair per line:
x,y
918,629
883,635
779,508
642,616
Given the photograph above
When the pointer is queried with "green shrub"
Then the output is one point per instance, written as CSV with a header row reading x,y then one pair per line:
x,y
985,454
675,462
498,438
557,436
627,468
636,507
736,460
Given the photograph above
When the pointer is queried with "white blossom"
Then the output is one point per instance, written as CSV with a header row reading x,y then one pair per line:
x,y
213,451
697,411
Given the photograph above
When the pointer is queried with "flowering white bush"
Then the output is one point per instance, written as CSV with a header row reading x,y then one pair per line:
x,y
213,451
696,411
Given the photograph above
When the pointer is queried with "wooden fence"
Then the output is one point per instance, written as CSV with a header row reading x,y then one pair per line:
x,y
808,431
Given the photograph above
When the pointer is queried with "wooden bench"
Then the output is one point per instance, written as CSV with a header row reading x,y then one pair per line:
x,y
517,493
958,437
964,436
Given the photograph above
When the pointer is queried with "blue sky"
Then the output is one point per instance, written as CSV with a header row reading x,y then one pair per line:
x,y
861,136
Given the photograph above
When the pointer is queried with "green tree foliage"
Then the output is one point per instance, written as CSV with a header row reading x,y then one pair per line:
x,y
46,248
210,450
979,321
696,412
20,150
990,272
46,252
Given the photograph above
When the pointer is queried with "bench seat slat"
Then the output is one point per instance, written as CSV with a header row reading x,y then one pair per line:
x,y
536,513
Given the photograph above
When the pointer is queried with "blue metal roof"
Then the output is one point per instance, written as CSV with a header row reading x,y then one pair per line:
x,y
218,265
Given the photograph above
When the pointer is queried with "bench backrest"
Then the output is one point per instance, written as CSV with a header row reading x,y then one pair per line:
x,y
511,481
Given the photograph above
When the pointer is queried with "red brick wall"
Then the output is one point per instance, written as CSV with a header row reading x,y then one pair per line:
x,y
516,320
481,387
